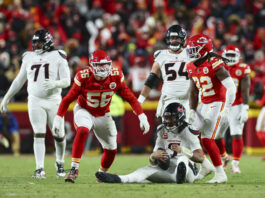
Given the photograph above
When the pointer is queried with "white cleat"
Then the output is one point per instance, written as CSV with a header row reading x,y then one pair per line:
x,y
235,169
60,172
204,172
39,174
218,179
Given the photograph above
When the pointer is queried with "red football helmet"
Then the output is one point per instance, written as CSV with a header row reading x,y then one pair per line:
x,y
199,46
232,53
100,62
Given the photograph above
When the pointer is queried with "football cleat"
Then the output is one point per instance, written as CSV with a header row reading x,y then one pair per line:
x,y
107,177
60,170
225,160
73,174
218,179
235,168
181,173
194,168
39,174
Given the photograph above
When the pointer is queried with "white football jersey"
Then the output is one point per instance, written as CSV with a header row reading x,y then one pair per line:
x,y
184,138
36,68
176,81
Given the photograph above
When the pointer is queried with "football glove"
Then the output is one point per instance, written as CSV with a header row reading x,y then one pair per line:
x,y
243,116
191,116
57,127
144,124
3,107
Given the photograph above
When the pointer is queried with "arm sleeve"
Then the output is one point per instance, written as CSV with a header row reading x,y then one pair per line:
x,y
230,91
127,94
18,82
64,74
68,99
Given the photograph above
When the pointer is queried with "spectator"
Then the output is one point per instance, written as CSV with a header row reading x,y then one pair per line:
x,y
9,129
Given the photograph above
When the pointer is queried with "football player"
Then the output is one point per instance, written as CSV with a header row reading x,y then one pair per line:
x,y
47,72
238,114
170,66
175,147
94,88
217,91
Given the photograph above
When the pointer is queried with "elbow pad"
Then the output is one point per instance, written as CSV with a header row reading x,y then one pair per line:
x,y
152,81
230,91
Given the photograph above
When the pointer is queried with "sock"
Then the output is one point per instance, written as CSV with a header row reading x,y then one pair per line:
x,y
237,148
212,150
107,158
221,145
79,145
206,164
220,170
235,162
39,152
60,150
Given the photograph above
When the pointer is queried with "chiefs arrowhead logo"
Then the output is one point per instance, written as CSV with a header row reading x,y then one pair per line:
x,y
112,85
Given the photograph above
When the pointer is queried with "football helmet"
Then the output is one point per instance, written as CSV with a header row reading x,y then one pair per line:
x,y
174,117
100,62
199,46
176,31
42,41
232,53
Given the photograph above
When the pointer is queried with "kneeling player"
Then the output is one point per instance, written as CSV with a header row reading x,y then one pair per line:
x,y
175,147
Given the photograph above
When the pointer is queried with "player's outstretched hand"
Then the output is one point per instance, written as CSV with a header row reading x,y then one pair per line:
x,y
49,84
57,127
3,107
144,124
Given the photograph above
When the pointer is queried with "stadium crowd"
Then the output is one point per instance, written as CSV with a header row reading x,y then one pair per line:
x,y
130,31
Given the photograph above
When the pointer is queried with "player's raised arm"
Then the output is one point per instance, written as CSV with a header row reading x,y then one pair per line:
x,y
16,85
151,82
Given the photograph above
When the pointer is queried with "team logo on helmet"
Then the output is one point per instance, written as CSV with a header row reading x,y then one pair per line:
x,y
205,70
202,40
238,72
112,85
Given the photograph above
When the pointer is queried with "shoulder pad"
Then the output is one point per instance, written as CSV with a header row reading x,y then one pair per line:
x,y
62,54
157,53
25,54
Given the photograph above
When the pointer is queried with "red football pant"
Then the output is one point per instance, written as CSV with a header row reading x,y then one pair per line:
x,y
261,136
213,151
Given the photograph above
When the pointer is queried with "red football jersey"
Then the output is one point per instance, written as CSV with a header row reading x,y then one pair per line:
x,y
238,72
95,96
204,76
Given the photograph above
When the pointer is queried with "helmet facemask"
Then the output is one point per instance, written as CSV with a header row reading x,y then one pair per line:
x,y
233,57
176,32
194,52
173,122
42,41
102,68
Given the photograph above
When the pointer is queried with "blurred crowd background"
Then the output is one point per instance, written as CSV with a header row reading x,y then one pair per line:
x,y
130,30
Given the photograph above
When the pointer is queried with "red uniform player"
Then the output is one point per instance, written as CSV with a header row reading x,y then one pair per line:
x,y
239,111
212,82
94,88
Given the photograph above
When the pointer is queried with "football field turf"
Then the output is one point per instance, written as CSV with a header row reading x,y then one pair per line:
x,y
16,181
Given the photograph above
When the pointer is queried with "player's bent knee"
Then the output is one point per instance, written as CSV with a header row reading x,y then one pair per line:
x,y
57,139
39,135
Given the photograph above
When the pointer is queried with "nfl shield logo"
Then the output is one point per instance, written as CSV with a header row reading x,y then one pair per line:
x,y
238,72
165,136
112,85
205,70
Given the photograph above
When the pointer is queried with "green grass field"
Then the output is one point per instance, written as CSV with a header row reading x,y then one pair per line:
x,y
16,181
